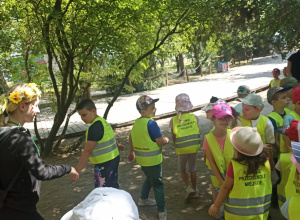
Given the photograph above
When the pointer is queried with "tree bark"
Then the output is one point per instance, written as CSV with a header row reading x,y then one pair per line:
x,y
181,65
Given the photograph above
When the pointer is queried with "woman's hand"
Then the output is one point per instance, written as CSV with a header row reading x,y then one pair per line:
x,y
74,175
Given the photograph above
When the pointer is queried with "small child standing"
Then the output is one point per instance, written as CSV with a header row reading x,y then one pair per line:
x,y
101,147
292,83
145,145
277,97
217,146
293,115
242,92
248,181
275,81
186,138
252,117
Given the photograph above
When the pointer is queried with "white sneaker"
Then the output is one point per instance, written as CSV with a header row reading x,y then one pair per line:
x,y
162,215
189,192
146,202
196,195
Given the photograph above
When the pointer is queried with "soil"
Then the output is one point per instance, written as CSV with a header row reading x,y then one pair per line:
x,y
61,195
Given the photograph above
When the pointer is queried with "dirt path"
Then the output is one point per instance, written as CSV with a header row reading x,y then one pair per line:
x,y
61,195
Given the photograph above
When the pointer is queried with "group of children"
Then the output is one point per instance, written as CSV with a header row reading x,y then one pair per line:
x,y
240,151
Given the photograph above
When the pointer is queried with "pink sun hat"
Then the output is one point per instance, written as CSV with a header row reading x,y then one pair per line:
x,y
220,110
246,140
183,103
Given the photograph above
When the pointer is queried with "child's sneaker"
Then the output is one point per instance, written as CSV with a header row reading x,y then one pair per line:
x,y
162,215
196,194
146,202
189,192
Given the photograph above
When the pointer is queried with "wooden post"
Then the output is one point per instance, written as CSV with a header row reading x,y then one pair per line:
x,y
187,75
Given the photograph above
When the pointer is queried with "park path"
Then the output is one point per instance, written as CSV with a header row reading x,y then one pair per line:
x,y
200,90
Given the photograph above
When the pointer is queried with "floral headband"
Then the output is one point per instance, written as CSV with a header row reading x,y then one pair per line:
x,y
17,96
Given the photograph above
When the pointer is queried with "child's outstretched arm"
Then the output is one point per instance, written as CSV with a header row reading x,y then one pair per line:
x,y
88,149
214,166
161,141
224,192
131,154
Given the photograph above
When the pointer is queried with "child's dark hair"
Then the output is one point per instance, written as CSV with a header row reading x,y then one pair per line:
x,y
87,104
252,162
235,115
275,97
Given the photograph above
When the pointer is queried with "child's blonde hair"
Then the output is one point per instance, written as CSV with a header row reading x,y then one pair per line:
x,y
21,92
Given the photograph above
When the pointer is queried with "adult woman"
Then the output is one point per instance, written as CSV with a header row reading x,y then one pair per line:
x,y
19,155
293,65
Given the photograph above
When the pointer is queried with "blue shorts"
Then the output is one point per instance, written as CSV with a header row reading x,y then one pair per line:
x,y
106,174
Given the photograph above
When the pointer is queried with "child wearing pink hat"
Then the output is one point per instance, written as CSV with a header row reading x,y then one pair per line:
x,y
186,138
217,146
246,191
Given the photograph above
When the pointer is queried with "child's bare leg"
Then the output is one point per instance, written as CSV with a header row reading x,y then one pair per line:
x,y
194,179
185,178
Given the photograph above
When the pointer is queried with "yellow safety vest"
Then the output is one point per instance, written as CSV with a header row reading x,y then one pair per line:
x,y
222,159
293,191
261,126
147,152
279,122
276,84
106,149
295,115
187,134
250,197
285,164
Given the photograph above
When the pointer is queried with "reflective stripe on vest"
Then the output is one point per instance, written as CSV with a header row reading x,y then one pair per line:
x,y
105,149
285,164
147,152
248,211
250,196
187,134
221,159
261,125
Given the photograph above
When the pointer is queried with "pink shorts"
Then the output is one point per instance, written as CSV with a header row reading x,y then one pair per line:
x,y
183,159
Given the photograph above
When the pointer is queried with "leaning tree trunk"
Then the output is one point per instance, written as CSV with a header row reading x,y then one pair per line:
x,y
197,61
181,65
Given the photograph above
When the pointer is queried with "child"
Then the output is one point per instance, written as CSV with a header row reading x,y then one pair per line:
x,y
213,101
100,148
276,80
284,163
290,209
293,115
252,117
248,181
186,138
277,97
292,83
242,92
145,145
219,150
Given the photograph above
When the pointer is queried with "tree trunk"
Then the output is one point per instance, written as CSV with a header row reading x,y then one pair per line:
x,y
177,64
3,83
197,61
181,65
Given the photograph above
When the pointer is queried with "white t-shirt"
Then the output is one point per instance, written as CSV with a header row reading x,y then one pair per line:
x,y
269,133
